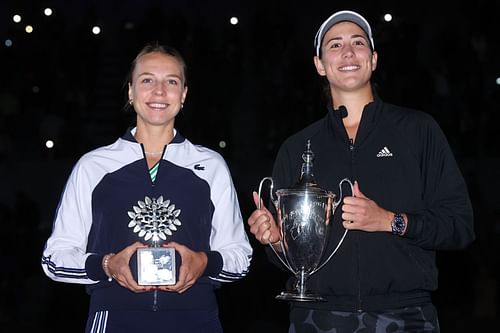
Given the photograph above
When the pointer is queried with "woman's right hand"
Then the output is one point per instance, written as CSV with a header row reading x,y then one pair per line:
x,y
262,223
119,269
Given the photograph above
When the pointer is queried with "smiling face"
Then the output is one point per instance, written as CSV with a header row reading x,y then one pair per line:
x,y
157,89
346,58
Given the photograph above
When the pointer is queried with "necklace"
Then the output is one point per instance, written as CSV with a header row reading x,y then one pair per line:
x,y
153,152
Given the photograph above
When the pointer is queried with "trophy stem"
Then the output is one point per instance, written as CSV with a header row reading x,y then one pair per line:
x,y
301,282
300,294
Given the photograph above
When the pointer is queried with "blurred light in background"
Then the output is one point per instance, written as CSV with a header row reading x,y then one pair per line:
x,y
49,144
129,26
96,30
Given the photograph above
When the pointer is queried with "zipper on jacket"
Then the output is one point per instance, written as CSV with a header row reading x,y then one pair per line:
x,y
155,300
360,302
153,170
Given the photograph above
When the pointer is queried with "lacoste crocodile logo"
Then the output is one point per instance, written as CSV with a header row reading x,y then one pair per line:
x,y
199,167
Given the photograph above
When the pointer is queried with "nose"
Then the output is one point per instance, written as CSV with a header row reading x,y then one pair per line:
x,y
348,51
160,88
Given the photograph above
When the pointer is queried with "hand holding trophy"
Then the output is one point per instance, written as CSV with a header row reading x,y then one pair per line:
x,y
303,214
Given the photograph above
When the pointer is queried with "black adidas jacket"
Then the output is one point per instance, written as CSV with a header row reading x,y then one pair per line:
x,y
403,162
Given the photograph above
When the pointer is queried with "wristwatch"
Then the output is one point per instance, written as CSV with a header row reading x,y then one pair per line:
x,y
398,224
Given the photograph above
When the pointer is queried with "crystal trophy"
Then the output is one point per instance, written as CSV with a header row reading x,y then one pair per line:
x,y
154,220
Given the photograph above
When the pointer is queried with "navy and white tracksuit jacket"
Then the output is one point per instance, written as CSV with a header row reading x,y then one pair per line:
x,y
92,220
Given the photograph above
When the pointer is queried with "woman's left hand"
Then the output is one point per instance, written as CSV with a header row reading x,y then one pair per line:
x,y
362,213
192,267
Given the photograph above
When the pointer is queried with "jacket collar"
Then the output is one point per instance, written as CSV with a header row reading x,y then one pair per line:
x,y
369,117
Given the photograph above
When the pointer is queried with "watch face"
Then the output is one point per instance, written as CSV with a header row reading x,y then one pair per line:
x,y
398,224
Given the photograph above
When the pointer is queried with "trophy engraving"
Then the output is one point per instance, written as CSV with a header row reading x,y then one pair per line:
x,y
154,219
303,217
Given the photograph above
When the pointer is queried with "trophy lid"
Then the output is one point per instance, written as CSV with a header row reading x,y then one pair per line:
x,y
307,182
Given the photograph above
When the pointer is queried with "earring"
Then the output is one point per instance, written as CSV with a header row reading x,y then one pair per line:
x,y
130,102
182,105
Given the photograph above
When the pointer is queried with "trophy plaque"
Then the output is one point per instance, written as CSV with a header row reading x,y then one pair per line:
x,y
155,266
303,216
154,220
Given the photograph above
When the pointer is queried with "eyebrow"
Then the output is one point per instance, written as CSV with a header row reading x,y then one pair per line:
x,y
360,36
168,75
352,37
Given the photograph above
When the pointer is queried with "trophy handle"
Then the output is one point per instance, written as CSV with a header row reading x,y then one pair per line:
x,y
336,203
271,194
274,200
334,207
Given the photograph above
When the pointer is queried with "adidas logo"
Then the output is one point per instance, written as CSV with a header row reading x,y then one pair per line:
x,y
385,152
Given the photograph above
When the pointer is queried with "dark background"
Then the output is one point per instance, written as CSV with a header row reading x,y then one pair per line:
x,y
250,85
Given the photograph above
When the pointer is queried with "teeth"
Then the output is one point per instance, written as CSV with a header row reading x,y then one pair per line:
x,y
157,105
348,68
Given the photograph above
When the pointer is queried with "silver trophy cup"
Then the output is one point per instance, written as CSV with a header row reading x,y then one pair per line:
x,y
303,216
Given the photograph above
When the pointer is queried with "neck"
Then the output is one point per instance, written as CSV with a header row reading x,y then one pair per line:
x,y
354,103
355,100
153,139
